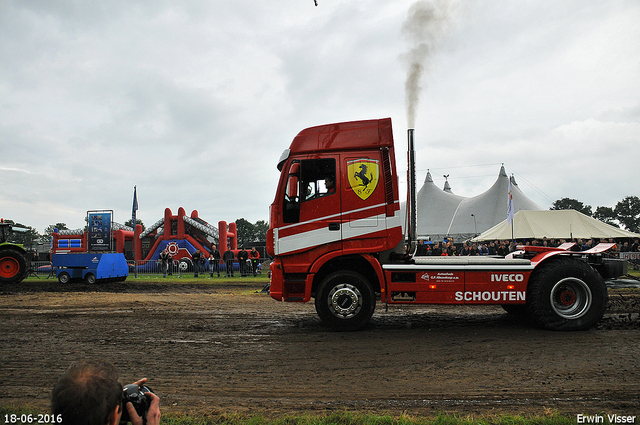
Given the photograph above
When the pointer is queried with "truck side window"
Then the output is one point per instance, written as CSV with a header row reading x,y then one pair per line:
x,y
307,180
318,178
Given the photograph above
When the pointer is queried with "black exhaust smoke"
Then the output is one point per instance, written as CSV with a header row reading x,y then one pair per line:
x,y
427,23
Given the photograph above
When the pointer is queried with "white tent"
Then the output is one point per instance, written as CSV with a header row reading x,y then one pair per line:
x,y
443,214
556,224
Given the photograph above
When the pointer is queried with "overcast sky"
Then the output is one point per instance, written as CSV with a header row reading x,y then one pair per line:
x,y
194,101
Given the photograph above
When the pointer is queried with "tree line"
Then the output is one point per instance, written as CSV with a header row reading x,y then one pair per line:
x,y
625,214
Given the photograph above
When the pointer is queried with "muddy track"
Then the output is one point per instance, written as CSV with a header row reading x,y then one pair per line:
x,y
228,348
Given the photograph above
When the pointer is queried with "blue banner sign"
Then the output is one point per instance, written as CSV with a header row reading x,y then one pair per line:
x,y
99,238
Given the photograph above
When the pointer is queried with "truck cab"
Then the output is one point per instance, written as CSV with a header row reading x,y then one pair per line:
x,y
336,206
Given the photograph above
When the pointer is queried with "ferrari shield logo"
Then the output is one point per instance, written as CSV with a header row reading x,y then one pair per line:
x,y
363,176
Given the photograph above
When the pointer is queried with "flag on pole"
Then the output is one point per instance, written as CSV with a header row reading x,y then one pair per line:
x,y
134,208
510,211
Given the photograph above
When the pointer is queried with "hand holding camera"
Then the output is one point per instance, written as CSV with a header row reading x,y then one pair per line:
x,y
141,405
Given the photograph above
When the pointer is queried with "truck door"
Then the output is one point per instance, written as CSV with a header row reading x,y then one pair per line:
x,y
312,208
321,204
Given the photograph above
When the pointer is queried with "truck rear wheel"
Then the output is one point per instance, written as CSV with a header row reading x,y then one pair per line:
x,y
566,295
345,301
90,278
13,265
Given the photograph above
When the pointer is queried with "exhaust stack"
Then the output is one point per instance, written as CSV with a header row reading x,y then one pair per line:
x,y
411,195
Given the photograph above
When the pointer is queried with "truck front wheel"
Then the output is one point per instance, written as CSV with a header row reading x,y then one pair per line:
x,y
566,295
345,301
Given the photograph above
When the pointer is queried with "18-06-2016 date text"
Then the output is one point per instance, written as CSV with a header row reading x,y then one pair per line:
x,y
40,418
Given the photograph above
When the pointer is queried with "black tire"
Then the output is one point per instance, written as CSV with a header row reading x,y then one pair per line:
x,y
13,265
345,301
185,265
64,277
90,278
566,294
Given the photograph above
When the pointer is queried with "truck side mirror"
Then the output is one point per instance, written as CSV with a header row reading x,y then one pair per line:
x,y
292,183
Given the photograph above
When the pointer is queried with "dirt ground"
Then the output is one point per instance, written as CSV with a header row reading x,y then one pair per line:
x,y
226,348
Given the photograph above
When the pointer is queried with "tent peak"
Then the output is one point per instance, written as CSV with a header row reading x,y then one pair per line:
x,y
447,186
428,179
502,173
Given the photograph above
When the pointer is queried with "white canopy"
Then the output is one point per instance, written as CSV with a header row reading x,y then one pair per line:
x,y
556,224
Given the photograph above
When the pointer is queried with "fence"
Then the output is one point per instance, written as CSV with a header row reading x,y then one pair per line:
x,y
186,267
632,257
41,269
44,269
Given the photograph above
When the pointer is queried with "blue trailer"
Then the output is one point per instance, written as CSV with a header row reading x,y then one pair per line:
x,y
90,267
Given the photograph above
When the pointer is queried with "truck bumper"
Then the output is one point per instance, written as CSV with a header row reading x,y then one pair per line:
x,y
291,287
277,279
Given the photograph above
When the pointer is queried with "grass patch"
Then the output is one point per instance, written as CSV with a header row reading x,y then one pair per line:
x,y
335,418
201,280
185,279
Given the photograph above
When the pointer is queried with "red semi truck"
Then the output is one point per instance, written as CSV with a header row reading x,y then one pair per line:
x,y
336,234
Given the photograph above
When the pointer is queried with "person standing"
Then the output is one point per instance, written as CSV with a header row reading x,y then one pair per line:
x,y
243,256
503,249
165,259
195,259
214,261
255,258
228,258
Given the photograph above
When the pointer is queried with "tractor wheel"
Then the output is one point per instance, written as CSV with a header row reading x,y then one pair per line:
x,y
566,294
64,277
13,265
345,301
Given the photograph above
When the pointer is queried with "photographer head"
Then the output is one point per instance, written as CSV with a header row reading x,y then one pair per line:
x,y
89,394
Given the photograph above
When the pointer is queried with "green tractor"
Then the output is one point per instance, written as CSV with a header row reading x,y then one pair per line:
x,y
13,259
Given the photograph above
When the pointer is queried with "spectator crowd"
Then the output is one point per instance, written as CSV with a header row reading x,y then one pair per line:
x,y
503,248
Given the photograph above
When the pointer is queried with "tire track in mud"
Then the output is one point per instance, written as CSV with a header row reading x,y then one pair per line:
x,y
225,348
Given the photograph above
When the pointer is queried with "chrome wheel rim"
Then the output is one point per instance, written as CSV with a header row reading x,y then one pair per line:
x,y
345,301
571,298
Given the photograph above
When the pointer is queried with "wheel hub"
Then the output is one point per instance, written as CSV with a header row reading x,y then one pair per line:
x,y
567,298
9,267
345,301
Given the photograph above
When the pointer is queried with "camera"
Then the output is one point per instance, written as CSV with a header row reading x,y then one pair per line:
x,y
141,402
